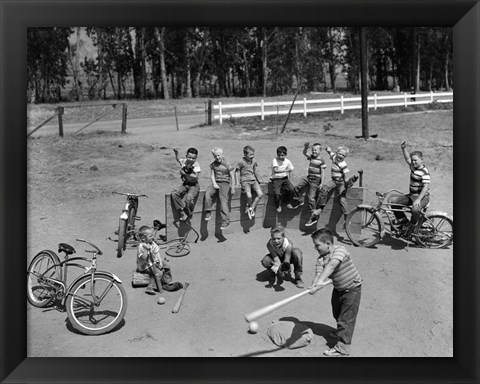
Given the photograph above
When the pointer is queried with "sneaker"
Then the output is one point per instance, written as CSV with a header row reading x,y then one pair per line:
x,y
150,291
279,209
183,216
290,206
249,212
225,225
299,283
208,216
332,352
252,212
311,221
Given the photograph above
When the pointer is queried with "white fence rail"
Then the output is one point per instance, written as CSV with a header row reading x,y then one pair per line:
x,y
262,108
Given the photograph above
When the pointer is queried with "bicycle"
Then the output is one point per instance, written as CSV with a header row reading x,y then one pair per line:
x,y
367,224
95,302
126,222
179,246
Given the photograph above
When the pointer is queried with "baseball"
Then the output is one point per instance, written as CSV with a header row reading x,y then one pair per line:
x,y
253,327
161,300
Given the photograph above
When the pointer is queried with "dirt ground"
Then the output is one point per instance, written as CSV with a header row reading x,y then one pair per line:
x,y
407,298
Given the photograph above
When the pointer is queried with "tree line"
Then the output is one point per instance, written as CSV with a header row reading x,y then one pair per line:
x,y
169,62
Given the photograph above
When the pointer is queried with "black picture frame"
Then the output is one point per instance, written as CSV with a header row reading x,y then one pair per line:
x,y
16,16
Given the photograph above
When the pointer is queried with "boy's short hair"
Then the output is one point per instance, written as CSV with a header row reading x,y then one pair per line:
x,y
323,234
143,230
192,150
278,229
316,144
217,149
416,153
345,149
248,149
281,149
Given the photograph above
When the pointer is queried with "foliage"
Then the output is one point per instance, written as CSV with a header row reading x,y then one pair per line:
x,y
165,62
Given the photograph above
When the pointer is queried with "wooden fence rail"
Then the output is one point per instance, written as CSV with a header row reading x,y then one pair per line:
x,y
341,104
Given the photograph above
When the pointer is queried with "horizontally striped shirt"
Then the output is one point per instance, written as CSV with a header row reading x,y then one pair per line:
x,y
315,166
345,275
339,168
221,171
418,178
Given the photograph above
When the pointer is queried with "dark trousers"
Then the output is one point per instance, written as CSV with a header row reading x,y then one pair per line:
x,y
408,200
223,195
184,196
345,306
311,185
326,193
282,188
296,259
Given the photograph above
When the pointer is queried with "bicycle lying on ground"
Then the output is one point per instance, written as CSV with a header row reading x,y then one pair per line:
x,y
367,224
179,246
126,223
95,301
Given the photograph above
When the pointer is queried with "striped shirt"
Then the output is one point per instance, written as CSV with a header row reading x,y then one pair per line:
x,y
315,166
221,171
345,275
247,170
418,178
339,168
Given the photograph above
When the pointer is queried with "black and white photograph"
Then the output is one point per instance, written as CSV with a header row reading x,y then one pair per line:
x,y
250,190
287,130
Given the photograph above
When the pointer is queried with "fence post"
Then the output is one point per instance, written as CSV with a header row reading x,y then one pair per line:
x,y
405,99
375,102
262,110
60,111
124,118
341,104
431,96
304,107
220,118
176,118
209,112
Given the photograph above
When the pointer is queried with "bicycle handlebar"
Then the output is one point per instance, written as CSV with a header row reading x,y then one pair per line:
x,y
129,194
98,251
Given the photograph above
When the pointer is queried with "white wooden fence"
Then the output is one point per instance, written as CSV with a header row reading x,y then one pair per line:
x,y
262,108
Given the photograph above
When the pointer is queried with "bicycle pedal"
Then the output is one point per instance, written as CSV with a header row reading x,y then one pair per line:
x,y
137,218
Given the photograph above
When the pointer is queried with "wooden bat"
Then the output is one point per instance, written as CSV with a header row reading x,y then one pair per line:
x,y
177,305
272,307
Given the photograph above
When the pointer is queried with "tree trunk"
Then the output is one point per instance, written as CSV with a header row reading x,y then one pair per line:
x,y
264,60
447,82
160,33
246,73
76,68
188,80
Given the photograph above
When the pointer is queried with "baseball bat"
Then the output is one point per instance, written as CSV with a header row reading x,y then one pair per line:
x,y
273,307
177,305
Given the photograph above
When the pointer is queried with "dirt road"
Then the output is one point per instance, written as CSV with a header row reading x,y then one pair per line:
x,y
407,297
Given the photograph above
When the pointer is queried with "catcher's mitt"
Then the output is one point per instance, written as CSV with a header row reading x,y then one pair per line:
x,y
188,169
285,267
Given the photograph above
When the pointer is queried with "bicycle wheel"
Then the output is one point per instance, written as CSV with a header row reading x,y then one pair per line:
x,y
39,293
122,237
96,319
363,227
178,249
435,231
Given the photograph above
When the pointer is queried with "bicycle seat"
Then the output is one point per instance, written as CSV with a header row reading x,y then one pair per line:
x,y
68,249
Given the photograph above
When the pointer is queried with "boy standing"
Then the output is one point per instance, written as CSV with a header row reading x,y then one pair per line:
x,y
281,178
334,262
419,195
183,197
222,175
314,180
281,255
247,169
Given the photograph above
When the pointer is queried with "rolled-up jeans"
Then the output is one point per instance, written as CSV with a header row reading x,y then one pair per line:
x,y
223,196
296,259
337,186
345,305
184,196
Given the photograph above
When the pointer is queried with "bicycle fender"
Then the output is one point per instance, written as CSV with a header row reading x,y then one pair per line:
x,y
97,273
365,206
440,213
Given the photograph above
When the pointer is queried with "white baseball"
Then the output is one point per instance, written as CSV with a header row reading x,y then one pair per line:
x,y
161,300
253,327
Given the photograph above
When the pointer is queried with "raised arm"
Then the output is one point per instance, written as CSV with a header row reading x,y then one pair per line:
x,y
405,152
305,149
175,150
